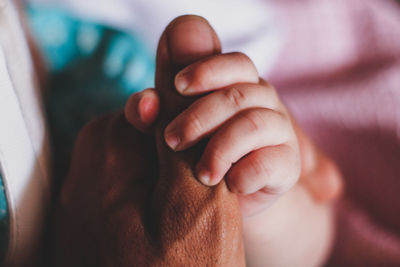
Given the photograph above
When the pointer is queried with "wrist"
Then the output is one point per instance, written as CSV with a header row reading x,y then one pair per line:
x,y
295,231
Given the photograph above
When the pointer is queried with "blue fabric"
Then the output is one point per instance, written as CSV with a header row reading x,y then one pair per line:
x,y
93,69
4,220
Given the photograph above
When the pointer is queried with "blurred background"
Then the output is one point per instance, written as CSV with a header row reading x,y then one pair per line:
x,y
336,65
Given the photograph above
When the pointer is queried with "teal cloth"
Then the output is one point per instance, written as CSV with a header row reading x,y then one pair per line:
x,y
4,220
93,69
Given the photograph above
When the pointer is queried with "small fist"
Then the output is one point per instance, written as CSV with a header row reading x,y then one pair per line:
x,y
251,139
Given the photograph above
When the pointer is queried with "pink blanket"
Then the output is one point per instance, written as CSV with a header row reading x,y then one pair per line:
x,y
340,76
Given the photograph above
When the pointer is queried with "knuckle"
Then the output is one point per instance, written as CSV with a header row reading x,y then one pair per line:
x,y
242,58
255,119
235,97
192,126
285,178
238,185
259,167
217,155
202,72
245,61
283,125
268,95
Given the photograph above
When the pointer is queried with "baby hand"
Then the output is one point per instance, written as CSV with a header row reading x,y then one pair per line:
x,y
251,137
251,143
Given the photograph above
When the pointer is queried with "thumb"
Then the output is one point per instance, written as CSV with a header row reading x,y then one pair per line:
x,y
141,110
188,216
186,39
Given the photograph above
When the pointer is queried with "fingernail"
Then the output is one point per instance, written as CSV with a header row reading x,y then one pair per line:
x,y
182,81
204,177
172,141
138,111
141,107
145,104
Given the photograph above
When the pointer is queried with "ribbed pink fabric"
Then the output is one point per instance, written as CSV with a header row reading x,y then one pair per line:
x,y
339,74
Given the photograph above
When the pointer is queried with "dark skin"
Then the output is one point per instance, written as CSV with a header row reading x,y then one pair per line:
x,y
118,199
129,200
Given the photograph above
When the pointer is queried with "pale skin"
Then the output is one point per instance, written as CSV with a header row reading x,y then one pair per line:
x,y
284,184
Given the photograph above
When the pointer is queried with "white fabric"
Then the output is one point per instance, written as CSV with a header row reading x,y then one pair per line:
x,y
247,26
23,141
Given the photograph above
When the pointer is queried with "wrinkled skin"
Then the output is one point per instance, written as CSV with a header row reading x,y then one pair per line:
x,y
129,200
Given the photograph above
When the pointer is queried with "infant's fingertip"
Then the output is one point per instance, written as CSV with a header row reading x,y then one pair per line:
x,y
147,109
172,141
202,174
141,109
204,177
148,106
182,82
